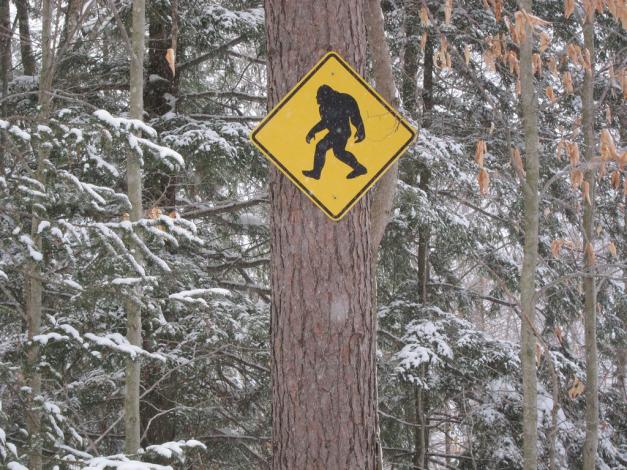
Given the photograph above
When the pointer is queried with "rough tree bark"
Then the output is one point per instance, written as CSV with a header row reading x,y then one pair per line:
x,y
26,48
159,191
134,181
589,284
323,328
160,91
529,109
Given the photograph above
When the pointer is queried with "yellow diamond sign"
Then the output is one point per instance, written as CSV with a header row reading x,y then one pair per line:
x,y
333,135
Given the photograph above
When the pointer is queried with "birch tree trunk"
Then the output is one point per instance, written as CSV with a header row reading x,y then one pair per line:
x,y
134,181
529,108
26,48
323,327
589,284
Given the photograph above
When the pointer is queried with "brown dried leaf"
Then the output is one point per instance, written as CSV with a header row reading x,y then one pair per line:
x,y
519,34
607,147
576,178
484,181
615,179
480,151
512,61
558,334
576,389
424,16
612,249
573,153
448,11
556,247
569,8
567,81
589,254
536,62
169,57
153,213
552,65
586,192
545,41
517,162
618,9
550,94
534,20
497,8
573,51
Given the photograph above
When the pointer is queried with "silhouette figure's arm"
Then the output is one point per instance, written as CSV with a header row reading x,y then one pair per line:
x,y
357,122
314,130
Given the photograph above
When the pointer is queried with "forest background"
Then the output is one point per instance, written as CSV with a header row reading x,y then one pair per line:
x,y
84,249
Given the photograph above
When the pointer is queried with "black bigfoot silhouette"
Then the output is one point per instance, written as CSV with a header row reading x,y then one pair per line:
x,y
337,112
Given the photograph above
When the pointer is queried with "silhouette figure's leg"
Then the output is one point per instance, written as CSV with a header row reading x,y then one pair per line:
x,y
319,157
348,158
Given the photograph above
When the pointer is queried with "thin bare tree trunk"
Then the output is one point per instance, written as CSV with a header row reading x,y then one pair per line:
x,y
323,329
529,107
26,48
383,198
409,92
5,71
134,181
589,285
34,287
5,43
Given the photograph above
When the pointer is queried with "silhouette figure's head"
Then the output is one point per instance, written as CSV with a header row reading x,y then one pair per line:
x,y
325,94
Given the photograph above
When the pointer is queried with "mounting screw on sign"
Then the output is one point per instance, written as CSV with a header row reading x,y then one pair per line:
x,y
333,112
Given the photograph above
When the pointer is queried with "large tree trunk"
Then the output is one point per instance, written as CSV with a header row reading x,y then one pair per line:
x,y
323,326
26,48
589,287
529,108
134,181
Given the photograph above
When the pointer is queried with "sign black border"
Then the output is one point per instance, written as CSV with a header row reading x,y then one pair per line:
x,y
287,98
